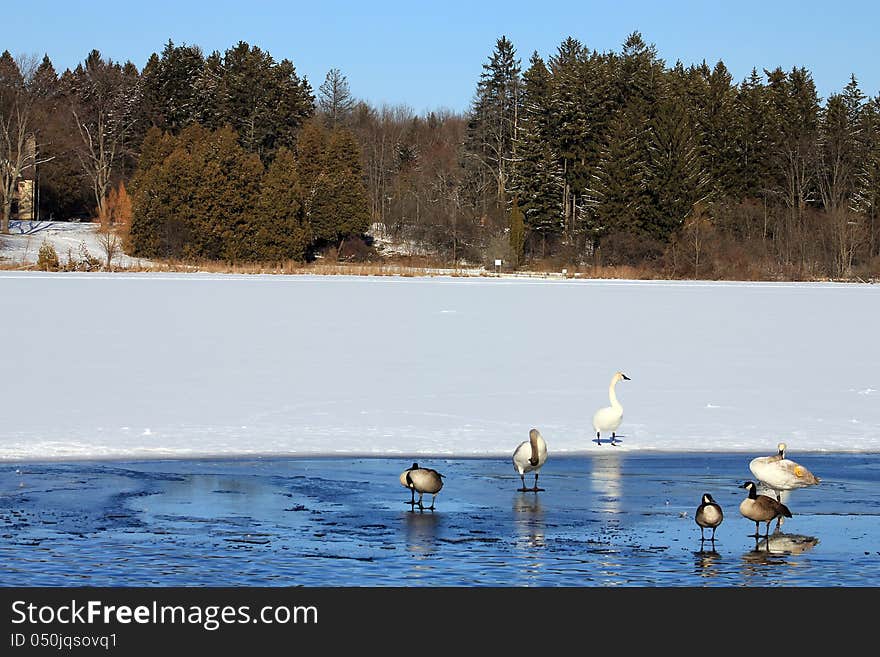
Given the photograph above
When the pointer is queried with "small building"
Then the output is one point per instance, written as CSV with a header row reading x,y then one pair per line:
x,y
24,203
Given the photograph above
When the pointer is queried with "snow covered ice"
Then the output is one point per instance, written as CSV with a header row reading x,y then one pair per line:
x,y
160,365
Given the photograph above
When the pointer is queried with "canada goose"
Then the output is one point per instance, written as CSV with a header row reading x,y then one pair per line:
x,y
424,480
708,515
406,484
608,418
529,456
761,508
779,473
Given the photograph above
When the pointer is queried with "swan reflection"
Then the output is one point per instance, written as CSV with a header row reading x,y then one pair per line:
x,y
605,482
528,519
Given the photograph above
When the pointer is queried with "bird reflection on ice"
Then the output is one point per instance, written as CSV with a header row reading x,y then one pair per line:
x,y
528,518
779,543
775,550
605,482
706,563
421,533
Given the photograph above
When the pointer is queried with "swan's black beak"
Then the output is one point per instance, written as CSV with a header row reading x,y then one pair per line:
x,y
625,376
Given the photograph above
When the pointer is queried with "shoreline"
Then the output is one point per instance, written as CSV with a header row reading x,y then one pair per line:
x,y
407,456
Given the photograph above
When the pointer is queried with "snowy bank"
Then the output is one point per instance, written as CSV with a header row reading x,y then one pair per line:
x,y
172,365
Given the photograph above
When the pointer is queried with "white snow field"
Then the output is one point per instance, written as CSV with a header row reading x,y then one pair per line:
x,y
159,365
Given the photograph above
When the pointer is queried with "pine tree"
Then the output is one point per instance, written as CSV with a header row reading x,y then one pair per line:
x,y
264,101
572,134
751,139
170,91
494,118
715,122
867,194
538,179
334,99
839,154
793,113
619,179
675,178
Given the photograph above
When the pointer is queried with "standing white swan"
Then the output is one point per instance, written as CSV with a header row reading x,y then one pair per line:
x,y
781,474
609,418
529,456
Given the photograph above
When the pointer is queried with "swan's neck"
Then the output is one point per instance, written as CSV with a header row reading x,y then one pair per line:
x,y
613,396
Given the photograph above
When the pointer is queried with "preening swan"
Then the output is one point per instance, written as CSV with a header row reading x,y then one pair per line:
x,y
761,508
529,456
779,473
608,418
421,481
708,515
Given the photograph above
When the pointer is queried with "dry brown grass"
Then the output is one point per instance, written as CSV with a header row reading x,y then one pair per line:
x,y
426,267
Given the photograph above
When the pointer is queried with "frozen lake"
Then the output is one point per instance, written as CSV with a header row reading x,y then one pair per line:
x,y
612,519
250,430
154,365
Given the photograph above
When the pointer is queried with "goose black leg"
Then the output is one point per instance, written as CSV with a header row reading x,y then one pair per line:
x,y
535,488
523,489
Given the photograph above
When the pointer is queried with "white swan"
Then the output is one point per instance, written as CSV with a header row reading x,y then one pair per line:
x,y
608,418
781,474
529,456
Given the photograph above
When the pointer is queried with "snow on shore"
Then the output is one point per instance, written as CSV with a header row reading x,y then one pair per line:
x,y
173,365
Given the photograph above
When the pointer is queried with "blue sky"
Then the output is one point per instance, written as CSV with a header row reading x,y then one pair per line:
x,y
429,55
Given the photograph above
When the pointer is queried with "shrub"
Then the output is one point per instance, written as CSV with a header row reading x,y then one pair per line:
x,y
47,260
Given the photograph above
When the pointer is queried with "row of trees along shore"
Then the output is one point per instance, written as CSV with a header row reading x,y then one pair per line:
x,y
583,159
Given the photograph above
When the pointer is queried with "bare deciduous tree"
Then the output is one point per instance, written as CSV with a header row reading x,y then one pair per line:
x,y
19,152
103,97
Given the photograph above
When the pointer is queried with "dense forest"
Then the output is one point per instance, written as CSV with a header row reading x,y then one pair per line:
x,y
585,159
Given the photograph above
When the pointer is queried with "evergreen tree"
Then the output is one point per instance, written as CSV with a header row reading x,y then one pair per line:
x,y
867,194
494,117
282,232
264,101
200,198
577,118
538,181
676,179
751,138
839,154
170,92
619,180
334,99
334,195
715,124
793,118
